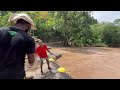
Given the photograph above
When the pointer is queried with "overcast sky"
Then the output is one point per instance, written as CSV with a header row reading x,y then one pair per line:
x,y
108,16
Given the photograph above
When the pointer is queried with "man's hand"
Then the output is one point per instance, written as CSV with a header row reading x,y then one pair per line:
x,y
36,55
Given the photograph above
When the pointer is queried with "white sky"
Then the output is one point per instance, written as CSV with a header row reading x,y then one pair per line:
x,y
108,16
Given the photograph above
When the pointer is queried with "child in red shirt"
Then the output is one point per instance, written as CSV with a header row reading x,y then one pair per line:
x,y
41,52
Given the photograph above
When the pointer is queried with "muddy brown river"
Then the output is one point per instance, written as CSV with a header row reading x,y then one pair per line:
x,y
90,62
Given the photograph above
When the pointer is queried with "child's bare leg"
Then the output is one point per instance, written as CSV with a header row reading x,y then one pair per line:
x,y
48,64
41,65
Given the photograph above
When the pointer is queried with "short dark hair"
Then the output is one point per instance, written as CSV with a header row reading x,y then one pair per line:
x,y
21,21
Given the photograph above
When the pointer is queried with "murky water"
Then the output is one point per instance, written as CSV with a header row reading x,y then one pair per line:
x,y
87,62
90,62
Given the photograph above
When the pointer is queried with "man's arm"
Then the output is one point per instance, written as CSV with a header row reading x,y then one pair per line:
x,y
31,59
31,52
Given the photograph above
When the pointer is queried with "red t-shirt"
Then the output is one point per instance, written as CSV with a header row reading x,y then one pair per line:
x,y
41,51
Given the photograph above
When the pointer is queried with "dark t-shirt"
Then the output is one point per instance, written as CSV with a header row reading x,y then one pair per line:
x,y
14,45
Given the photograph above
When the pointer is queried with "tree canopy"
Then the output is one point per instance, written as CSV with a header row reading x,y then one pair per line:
x,y
71,28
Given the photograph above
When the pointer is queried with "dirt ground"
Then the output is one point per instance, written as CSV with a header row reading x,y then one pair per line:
x,y
90,62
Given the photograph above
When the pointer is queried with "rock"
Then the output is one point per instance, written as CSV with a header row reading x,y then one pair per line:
x,y
62,76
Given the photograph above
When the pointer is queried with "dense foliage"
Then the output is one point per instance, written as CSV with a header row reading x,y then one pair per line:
x,y
71,28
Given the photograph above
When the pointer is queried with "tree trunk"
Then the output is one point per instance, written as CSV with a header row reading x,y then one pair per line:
x,y
65,42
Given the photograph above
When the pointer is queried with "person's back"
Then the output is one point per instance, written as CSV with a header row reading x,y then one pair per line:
x,y
15,43
13,48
